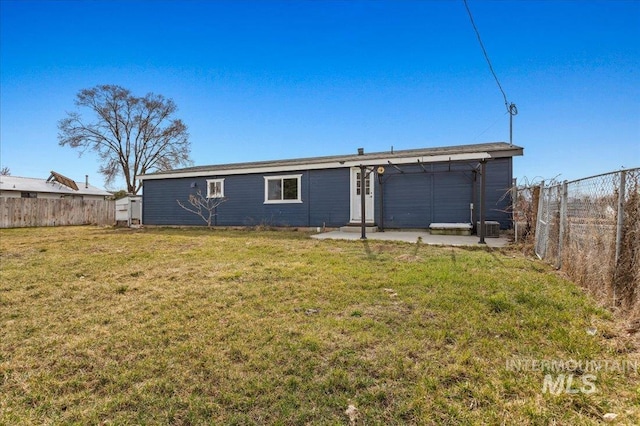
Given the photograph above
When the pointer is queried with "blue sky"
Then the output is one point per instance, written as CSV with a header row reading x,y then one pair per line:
x,y
268,80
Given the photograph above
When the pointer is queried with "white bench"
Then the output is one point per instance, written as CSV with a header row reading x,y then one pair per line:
x,y
450,228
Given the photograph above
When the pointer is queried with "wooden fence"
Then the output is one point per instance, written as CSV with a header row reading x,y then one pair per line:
x,y
25,212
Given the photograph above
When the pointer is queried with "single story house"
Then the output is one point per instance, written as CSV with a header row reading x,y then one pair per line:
x,y
56,186
402,189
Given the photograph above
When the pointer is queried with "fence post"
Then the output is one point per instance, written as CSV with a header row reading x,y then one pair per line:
x,y
538,235
621,197
619,227
563,221
535,201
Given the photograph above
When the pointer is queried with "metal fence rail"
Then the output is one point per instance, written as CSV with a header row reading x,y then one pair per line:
x,y
591,229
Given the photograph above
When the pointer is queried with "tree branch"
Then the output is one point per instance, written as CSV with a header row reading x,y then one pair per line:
x,y
202,206
131,135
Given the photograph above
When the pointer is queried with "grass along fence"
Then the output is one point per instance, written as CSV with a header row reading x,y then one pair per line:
x,y
28,212
590,228
200,326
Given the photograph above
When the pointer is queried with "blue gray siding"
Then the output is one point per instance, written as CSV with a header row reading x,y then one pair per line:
x,y
408,198
415,197
439,192
324,193
499,181
329,197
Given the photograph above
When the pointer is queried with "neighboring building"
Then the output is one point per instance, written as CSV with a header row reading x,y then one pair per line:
x,y
56,186
403,189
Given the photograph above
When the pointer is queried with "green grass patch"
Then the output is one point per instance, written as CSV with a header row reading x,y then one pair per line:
x,y
197,326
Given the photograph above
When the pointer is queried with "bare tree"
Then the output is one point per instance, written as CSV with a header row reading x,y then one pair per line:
x,y
5,171
131,135
202,206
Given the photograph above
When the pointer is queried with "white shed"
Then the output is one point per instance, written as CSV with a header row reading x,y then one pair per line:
x,y
129,210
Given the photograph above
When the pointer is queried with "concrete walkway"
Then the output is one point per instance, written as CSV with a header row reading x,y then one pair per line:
x,y
412,237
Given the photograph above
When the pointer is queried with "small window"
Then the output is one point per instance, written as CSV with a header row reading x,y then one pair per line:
x,y
29,194
215,188
367,184
282,189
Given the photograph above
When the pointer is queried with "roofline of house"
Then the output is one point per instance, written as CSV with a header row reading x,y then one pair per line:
x,y
25,184
75,193
500,150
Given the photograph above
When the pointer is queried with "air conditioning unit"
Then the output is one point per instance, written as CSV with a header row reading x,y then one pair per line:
x,y
491,228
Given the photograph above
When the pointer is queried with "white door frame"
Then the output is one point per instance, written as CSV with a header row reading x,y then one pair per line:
x,y
355,205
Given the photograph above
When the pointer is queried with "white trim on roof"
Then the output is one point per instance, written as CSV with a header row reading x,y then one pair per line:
x,y
471,156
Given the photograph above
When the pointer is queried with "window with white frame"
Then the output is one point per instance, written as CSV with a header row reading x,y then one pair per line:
x,y
282,189
367,184
215,188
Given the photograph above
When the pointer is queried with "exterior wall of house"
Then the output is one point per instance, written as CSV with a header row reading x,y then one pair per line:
x,y
10,194
498,192
413,199
326,205
331,205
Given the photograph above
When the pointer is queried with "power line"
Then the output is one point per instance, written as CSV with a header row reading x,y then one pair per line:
x,y
486,55
475,139
511,107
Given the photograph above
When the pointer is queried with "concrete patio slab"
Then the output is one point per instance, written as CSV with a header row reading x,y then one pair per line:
x,y
412,237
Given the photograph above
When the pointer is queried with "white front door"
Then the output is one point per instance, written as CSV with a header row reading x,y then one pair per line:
x,y
356,200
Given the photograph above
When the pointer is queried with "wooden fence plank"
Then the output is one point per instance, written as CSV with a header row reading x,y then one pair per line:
x,y
26,212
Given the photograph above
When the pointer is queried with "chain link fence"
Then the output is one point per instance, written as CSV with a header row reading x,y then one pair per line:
x,y
590,228
525,206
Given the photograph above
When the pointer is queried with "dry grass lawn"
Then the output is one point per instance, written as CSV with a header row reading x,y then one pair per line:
x,y
193,326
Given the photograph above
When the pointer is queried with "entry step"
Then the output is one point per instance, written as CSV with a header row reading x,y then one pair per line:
x,y
356,227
